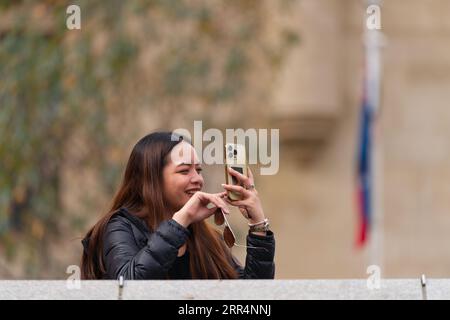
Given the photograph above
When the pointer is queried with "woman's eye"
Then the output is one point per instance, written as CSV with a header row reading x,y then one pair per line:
x,y
186,171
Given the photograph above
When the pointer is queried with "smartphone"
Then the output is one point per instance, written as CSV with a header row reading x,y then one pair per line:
x,y
235,158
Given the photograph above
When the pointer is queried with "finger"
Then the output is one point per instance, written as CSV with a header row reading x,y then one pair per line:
x,y
224,204
242,179
218,202
237,203
217,211
211,206
250,175
213,209
210,200
222,194
234,188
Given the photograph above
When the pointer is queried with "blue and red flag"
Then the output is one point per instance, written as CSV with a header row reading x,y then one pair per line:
x,y
364,171
369,208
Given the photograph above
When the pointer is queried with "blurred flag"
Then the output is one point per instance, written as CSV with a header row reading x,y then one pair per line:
x,y
364,170
368,208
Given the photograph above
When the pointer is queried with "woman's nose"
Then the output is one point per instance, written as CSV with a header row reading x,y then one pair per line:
x,y
197,178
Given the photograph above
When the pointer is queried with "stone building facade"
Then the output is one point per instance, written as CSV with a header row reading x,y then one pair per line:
x,y
312,202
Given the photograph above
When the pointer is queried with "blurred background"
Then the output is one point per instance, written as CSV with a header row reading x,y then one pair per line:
x,y
74,102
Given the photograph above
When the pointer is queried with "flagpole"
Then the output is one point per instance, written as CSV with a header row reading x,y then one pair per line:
x,y
373,44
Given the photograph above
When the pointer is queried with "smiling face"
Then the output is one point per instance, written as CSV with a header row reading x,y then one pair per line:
x,y
182,176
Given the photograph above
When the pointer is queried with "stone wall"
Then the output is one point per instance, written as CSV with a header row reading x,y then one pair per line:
x,y
311,204
232,290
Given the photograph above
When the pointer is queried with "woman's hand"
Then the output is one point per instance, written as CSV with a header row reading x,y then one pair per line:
x,y
250,204
199,208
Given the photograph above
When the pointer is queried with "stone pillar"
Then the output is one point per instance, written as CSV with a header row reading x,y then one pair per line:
x,y
307,97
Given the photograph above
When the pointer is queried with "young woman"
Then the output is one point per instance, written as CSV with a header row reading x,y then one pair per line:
x,y
156,227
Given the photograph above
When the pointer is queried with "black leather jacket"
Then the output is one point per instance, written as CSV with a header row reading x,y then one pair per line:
x,y
132,251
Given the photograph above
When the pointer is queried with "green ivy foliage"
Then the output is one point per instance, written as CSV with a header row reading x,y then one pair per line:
x,y
54,84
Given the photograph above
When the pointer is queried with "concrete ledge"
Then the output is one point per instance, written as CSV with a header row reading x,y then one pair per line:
x,y
225,290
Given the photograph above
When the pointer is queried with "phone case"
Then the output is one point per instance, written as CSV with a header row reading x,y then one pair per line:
x,y
235,157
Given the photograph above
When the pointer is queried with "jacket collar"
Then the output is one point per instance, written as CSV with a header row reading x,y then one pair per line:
x,y
139,223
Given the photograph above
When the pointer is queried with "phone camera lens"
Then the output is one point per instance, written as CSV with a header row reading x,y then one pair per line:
x,y
230,155
230,148
235,152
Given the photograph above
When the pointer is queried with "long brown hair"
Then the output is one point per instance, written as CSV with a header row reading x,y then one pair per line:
x,y
141,191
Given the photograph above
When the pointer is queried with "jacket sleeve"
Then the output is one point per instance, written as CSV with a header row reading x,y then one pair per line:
x,y
259,262
123,257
